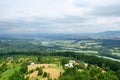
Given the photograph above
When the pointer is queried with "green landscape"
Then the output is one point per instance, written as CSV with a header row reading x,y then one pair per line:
x,y
43,65
60,59
99,47
59,39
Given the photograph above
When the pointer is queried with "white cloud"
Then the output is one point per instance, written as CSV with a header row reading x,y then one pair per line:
x,y
109,21
96,3
63,16
37,8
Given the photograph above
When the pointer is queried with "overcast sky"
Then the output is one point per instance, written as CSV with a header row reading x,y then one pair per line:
x,y
59,16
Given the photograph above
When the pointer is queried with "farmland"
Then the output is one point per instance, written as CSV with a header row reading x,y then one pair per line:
x,y
56,66
49,66
52,69
101,47
46,59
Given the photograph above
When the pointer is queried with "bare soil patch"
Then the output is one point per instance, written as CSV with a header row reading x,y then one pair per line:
x,y
34,66
52,69
54,73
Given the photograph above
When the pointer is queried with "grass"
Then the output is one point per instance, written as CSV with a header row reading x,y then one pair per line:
x,y
52,64
52,69
8,73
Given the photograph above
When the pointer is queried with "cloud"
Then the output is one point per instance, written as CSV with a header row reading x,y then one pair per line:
x,y
36,8
100,7
113,10
95,3
59,16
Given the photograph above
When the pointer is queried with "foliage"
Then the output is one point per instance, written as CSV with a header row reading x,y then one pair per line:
x,y
17,76
24,68
40,72
93,73
118,74
45,74
64,61
3,67
112,68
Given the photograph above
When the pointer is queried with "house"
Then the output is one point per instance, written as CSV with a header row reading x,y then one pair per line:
x,y
66,65
32,63
70,64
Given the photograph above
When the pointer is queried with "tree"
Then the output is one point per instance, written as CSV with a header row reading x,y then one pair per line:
x,y
27,78
40,72
39,59
45,74
17,76
118,74
3,67
64,61
24,68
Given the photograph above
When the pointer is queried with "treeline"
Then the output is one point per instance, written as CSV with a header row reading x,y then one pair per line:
x,y
19,75
106,52
106,64
91,59
90,73
19,46
109,43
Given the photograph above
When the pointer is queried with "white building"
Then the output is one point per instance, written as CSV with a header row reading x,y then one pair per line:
x,y
32,63
70,64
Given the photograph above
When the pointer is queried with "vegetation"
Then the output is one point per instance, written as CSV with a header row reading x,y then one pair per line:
x,y
17,76
91,73
40,71
16,57
45,74
97,69
102,47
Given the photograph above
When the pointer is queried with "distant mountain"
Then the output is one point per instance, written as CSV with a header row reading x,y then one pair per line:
x,y
77,36
107,35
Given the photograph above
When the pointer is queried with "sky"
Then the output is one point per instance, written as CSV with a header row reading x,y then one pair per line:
x,y
59,16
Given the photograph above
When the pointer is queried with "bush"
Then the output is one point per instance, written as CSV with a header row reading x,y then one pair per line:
x,y
45,74
40,72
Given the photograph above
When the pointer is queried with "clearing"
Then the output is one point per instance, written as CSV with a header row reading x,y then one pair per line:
x,y
52,69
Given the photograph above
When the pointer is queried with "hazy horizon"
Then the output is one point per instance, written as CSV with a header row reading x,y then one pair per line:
x,y
59,16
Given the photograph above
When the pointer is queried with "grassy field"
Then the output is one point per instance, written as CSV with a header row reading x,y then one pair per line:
x,y
53,69
8,73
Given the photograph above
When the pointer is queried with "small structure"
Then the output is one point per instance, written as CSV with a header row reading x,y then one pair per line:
x,y
66,65
70,64
32,63
9,58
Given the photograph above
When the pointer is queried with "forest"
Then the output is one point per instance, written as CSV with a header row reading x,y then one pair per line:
x,y
97,68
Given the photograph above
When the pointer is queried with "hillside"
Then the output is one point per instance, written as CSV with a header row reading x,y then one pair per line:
x,y
107,35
